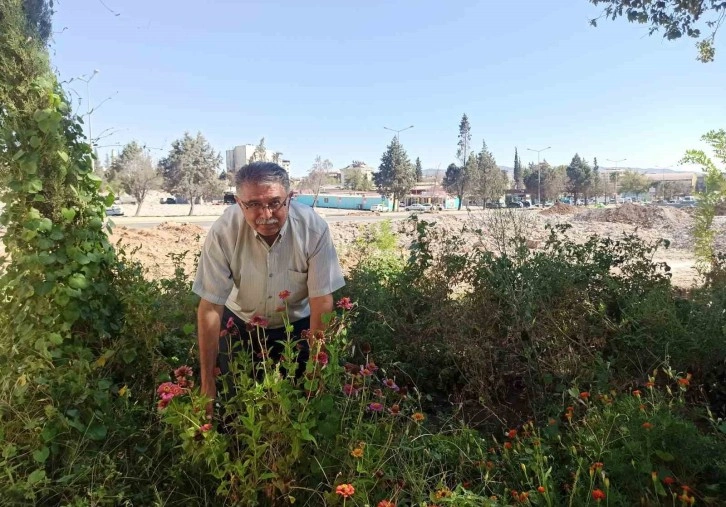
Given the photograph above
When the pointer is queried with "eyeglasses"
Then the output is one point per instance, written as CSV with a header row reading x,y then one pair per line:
x,y
258,206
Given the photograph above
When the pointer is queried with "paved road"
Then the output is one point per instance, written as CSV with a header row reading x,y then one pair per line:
x,y
206,221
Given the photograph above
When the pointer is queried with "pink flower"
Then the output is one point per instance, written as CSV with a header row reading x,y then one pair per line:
x,y
163,404
167,397
230,323
259,321
183,372
349,390
205,427
391,384
375,407
321,358
284,294
345,304
366,372
169,388
378,393
372,366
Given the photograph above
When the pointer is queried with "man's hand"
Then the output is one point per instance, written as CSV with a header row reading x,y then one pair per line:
x,y
209,322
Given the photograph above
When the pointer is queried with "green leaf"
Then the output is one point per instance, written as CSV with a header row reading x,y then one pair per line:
x,y
188,328
96,431
68,214
41,455
665,456
63,156
78,281
128,355
17,156
33,186
36,476
35,141
109,199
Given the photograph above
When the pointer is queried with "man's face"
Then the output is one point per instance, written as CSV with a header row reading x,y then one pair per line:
x,y
258,203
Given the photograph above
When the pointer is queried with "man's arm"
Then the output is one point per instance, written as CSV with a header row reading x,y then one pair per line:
x,y
319,306
209,321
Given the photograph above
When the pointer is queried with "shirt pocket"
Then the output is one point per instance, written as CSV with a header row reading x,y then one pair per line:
x,y
298,285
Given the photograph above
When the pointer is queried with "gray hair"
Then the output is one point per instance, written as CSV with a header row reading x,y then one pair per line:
x,y
262,173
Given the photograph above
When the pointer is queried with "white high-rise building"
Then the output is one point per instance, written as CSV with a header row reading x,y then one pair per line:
x,y
240,155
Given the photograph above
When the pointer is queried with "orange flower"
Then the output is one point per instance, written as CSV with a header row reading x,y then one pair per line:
x,y
584,395
511,433
646,425
642,407
345,490
685,382
541,489
386,503
418,417
507,445
284,294
598,495
636,393
357,452
668,480
650,385
597,465
690,500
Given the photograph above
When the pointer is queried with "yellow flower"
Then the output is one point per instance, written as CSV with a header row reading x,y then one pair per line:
x,y
357,452
122,392
418,417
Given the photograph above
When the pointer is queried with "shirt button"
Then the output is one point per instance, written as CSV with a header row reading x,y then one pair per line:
x,y
269,297
270,275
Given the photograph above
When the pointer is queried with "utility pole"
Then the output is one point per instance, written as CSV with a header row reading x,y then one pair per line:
x,y
398,132
539,175
616,162
87,80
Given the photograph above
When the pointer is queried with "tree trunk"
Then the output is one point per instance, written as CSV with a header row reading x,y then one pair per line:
x,y
138,207
191,206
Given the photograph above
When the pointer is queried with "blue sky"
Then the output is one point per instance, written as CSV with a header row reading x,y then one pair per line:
x,y
324,78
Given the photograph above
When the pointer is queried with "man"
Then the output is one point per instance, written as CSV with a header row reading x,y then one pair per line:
x,y
256,250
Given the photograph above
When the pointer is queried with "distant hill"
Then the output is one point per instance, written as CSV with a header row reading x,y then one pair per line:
x,y
430,173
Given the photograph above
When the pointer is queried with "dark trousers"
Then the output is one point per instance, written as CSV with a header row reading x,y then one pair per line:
x,y
237,340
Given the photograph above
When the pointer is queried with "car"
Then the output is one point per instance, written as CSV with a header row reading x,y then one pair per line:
x,y
379,207
418,207
114,211
167,200
494,205
228,198
515,204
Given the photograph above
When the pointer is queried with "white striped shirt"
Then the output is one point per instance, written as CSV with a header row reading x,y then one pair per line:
x,y
239,269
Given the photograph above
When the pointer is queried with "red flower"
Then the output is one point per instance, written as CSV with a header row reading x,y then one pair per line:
x,y
511,433
372,366
205,427
646,425
507,445
597,465
375,407
345,490
230,323
650,385
386,503
541,489
668,480
349,390
366,372
584,395
321,358
685,382
636,393
280,309
395,409
259,321
345,304
284,294
391,384
598,495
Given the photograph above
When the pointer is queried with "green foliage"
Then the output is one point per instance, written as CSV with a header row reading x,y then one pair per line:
x,y
396,175
713,196
134,172
419,169
518,173
579,176
488,181
38,15
633,182
676,18
191,169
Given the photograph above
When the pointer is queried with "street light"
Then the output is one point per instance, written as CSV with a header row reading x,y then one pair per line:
x,y
87,80
398,131
616,162
539,175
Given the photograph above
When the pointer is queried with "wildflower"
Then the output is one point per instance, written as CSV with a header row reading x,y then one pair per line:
x,y
466,484
378,474
551,422
442,493
403,392
345,490
642,407
684,381
223,333
668,481
321,358
391,384
163,403
636,393
230,323
357,452
418,417
122,392
375,407
507,445
366,372
217,371
598,495
205,427
584,395
386,503
372,366
541,489
523,497
284,294
259,321
646,425
378,393
489,465
183,372
280,309
684,498
344,304
365,347
597,465
169,388
650,385
511,433
351,368
349,390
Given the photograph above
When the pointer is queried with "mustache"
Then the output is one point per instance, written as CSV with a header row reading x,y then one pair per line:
x,y
266,221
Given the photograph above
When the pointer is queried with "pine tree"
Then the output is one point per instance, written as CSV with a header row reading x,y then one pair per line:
x,y
396,175
419,170
579,176
462,153
488,182
518,182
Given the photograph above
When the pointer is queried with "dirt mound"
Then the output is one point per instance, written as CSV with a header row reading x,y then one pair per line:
x,y
154,247
638,215
560,208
